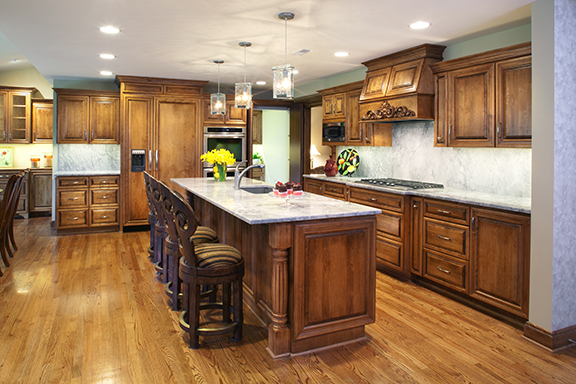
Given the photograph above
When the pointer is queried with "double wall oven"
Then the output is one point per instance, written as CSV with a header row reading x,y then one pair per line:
x,y
230,138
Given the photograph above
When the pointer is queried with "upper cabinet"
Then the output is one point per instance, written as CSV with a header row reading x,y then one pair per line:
x,y
341,104
485,100
234,116
88,117
15,114
42,120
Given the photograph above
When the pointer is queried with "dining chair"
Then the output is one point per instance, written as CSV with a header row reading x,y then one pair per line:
x,y
13,209
5,206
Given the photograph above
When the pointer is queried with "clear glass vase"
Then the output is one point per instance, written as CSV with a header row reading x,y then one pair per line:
x,y
221,174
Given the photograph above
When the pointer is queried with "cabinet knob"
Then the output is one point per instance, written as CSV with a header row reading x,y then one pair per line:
x,y
415,206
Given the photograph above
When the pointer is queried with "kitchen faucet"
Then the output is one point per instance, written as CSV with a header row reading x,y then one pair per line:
x,y
239,175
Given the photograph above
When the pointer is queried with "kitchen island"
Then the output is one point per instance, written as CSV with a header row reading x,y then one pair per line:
x,y
310,264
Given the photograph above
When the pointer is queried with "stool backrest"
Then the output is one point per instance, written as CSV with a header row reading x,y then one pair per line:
x,y
149,192
156,200
168,208
8,200
186,223
13,207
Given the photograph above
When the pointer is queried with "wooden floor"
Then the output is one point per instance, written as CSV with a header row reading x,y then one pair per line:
x,y
89,309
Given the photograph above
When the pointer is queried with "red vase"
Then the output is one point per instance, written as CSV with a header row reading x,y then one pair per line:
x,y
330,168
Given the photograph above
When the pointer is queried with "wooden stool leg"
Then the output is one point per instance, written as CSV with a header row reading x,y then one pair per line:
x,y
226,302
165,265
238,313
175,279
194,313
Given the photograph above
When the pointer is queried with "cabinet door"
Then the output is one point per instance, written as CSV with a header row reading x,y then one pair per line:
x,y
514,102
339,107
104,120
376,84
234,116
73,119
41,192
441,109
327,105
3,115
138,115
207,117
353,125
178,138
313,186
42,121
500,260
19,123
404,78
416,230
471,109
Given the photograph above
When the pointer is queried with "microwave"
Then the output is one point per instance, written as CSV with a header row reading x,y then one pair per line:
x,y
333,132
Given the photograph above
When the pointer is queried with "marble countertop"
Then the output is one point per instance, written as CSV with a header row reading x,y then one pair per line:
x,y
489,200
87,173
263,209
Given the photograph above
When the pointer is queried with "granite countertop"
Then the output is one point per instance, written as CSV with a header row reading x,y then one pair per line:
x,y
263,209
489,200
87,173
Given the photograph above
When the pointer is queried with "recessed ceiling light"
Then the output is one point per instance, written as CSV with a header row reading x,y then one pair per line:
x,y
341,54
261,82
420,25
109,29
106,73
14,60
302,52
107,56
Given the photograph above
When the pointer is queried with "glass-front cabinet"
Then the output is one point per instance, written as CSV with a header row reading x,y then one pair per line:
x,y
15,112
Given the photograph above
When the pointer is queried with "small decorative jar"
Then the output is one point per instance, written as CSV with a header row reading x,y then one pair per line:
x,y
34,161
48,157
330,168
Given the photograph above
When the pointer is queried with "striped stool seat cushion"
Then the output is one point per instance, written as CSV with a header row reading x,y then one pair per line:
x,y
205,235
216,255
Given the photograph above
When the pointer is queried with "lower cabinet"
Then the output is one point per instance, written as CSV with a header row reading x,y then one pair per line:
x,y
41,190
87,202
326,188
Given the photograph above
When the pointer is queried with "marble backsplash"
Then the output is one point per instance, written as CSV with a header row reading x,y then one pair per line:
x,y
504,171
88,157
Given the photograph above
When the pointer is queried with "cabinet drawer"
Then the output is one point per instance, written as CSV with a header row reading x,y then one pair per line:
x,y
73,219
390,224
70,199
389,252
104,181
335,190
103,216
313,186
377,199
72,181
448,272
104,196
446,237
446,211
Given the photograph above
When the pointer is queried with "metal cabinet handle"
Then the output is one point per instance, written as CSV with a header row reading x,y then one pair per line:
x,y
73,198
92,136
442,211
75,182
104,217
450,131
372,199
72,218
104,197
10,136
4,136
473,224
499,130
414,206
442,270
156,160
444,238
85,134
150,160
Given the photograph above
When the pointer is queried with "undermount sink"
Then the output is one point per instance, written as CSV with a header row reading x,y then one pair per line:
x,y
258,190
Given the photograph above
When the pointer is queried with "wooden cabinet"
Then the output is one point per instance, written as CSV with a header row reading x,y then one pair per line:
x,y
391,228
484,100
313,186
87,202
164,118
445,243
416,224
23,208
344,99
88,117
234,116
334,106
500,259
15,114
42,120
326,188
41,190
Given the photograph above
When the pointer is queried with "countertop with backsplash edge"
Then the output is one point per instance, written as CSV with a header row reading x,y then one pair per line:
x,y
488,200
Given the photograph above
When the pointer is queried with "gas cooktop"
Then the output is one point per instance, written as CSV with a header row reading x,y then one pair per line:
x,y
399,184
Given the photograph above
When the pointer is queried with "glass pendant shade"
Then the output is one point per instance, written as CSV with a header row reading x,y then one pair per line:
x,y
243,95
217,104
283,82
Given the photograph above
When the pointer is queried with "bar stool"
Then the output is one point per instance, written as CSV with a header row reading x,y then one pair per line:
x,y
172,249
207,264
151,215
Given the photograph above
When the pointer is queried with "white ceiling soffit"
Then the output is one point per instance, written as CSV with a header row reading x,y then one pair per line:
x,y
181,39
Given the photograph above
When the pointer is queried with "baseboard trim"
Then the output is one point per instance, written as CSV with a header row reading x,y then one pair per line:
x,y
555,341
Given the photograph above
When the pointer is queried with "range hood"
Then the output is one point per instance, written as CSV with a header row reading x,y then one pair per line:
x,y
400,86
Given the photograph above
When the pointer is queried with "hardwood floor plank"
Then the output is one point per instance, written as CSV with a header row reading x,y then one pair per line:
x,y
90,309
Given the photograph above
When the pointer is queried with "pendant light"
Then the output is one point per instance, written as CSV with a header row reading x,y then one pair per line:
x,y
283,76
218,100
243,91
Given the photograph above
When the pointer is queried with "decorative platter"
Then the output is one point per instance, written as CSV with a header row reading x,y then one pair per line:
x,y
348,161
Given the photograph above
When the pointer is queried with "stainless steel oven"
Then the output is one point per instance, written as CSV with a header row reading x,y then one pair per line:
x,y
230,138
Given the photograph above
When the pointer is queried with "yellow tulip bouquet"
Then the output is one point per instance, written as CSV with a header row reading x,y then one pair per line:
x,y
220,158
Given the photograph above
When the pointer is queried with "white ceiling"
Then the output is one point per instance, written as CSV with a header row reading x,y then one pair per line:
x,y
182,38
